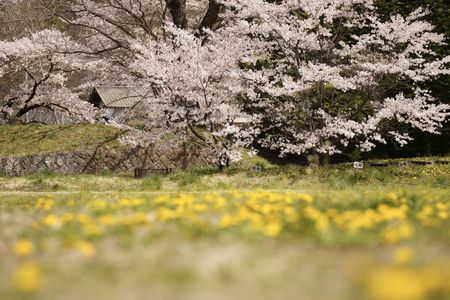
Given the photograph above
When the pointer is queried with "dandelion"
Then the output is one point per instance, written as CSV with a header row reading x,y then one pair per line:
x,y
403,231
443,215
442,206
395,284
135,219
200,207
291,214
392,197
305,197
67,218
52,221
86,248
226,221
92,229
45,204
23,248
107,220
321,220
403,283
273,229
425,215
165,214
27,278
219,202
98,205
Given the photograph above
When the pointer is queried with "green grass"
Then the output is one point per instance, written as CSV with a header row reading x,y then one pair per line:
x,y
339,177
20,140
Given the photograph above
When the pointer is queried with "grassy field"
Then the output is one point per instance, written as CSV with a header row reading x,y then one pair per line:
x,y
285,233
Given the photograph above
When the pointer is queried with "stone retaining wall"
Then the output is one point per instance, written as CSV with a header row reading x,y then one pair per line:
x,y
107,159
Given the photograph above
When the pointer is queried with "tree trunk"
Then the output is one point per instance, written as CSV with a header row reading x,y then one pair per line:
x,y
177,9
211,19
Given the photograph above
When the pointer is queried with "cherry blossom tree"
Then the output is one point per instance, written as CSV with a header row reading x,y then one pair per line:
x,y
323,74
181,55
196,88
43,61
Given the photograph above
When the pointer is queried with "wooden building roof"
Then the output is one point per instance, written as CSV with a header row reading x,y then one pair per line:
x,y
120,97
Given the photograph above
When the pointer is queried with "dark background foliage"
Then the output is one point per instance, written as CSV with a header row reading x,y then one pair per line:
x,y
423,144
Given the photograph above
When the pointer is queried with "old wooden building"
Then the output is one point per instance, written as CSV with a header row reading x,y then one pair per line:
x,y
118,100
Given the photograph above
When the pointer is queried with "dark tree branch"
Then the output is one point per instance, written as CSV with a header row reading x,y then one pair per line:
x,y
26,108
212,19
177,9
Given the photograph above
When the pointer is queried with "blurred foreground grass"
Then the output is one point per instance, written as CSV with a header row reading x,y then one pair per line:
x,y
377,233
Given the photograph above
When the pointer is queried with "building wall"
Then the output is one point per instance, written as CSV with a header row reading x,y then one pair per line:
x,y
115,112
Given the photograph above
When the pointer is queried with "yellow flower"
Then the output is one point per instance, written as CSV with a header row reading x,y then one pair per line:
x,y
403,231
200,207
273,229
84,219
92,229
27,278
219,202
67,217
137,202
443,215
86,248
123,203
23,248
135,219
98,204
425,215
257,223
166,215
321,220
442,206
45,204
393,213
395,284
107,220
305,197
52,221
392,197
400,283
291,214
322,223
226,221
332,213
403,255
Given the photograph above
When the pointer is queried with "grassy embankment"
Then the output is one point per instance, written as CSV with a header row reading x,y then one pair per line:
x,y
21,140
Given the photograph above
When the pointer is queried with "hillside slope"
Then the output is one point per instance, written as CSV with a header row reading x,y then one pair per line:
x,y
22,140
